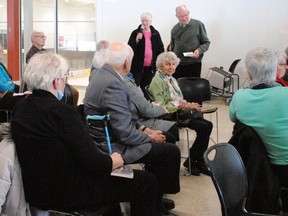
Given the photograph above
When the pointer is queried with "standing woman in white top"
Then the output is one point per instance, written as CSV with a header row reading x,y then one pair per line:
x,y
147,44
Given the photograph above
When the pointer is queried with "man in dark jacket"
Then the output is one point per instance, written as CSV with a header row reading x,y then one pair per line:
x,y
62,168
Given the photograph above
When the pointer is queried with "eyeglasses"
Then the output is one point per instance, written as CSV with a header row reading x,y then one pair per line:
x,y
184,16
43,36
65,76
68,74
283,64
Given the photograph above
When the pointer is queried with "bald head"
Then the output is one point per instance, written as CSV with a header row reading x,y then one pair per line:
x,y
119,56
38,39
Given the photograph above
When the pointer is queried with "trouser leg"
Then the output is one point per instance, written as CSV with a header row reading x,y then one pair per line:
x,y
141,192
281,172
137,77
169,137
203,130
163,160
146,79
141,207
175,131
190,70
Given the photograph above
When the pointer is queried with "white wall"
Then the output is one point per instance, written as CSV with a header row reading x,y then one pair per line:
x,y
233,27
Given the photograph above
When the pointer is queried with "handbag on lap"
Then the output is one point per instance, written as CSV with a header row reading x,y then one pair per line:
x,y
185,115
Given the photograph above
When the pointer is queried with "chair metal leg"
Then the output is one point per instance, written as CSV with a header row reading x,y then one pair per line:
x,y
188,150
217,131
37,212
217,128
124,208
188,173
8,116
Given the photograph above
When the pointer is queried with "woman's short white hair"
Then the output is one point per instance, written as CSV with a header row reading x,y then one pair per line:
x,y
43,69
166,56
281,56
262,64
99,55
146,16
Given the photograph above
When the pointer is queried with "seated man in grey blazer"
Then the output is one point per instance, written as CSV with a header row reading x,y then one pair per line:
x,y
108,94
149,115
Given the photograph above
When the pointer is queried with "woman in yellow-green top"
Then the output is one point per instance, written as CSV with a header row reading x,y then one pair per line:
x,y
165,90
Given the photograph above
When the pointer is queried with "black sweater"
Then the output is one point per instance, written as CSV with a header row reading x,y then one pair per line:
x,y
61,165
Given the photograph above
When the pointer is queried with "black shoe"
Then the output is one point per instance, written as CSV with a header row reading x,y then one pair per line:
x,y
194,168
195,171
165,212
168,203
203,168
185,164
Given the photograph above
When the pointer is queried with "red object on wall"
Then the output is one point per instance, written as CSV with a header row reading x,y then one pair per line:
x,y
13,38
61,41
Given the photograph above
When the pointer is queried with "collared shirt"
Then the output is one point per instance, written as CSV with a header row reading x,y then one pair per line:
x,y
182,25
32,51
122,78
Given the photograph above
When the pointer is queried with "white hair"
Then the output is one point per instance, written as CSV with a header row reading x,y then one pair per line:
x,y
99,55
166,56
43,69
146,16
262,64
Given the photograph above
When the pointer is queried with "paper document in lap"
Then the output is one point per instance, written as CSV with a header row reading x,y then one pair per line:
x,y
125,171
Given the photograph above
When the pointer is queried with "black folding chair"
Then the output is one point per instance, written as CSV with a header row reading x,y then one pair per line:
x,y
229,177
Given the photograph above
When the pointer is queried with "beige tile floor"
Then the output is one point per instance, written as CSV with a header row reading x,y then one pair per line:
x,y
198,196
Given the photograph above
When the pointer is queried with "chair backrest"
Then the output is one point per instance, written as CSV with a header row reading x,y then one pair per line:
x,y
148,93
5,115
233,65
263,185
71,95
195,89
228,175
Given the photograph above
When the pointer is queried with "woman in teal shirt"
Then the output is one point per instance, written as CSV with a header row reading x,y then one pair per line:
x,y
264,108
